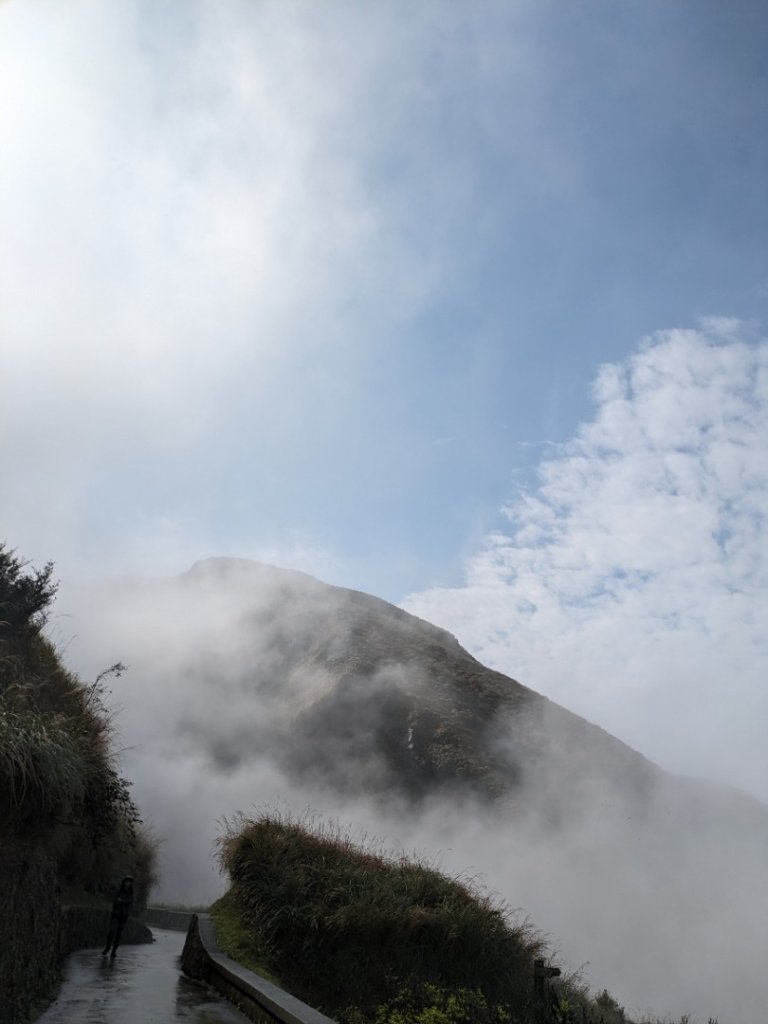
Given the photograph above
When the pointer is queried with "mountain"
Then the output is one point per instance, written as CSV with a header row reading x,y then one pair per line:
x,y
249,683
363,697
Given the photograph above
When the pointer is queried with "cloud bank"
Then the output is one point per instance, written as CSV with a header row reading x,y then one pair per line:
x,y
631,582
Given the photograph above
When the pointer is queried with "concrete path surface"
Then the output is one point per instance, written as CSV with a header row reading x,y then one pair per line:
x,y
142,985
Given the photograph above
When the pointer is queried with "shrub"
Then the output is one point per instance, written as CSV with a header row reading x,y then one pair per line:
x,y
24,596
60,789
345,926
422,1003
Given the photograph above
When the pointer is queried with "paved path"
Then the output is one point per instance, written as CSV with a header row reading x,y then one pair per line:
x,y
142,985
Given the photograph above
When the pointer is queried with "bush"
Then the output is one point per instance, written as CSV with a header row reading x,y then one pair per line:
x,y
422,1003
348,927
60,789
24,596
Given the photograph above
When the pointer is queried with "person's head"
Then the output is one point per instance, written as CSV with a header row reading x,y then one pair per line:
x,y
127,884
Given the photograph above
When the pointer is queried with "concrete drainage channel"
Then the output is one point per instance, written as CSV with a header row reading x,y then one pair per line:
x,y
257,998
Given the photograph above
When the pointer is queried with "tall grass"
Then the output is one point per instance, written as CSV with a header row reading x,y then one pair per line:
x,y
60,787
42,765
376,939
349,927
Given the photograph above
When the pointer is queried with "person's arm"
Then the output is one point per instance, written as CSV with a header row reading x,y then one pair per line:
x,y
122,904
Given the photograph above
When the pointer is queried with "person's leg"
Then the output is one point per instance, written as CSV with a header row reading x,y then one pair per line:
x,y
119,925
110,935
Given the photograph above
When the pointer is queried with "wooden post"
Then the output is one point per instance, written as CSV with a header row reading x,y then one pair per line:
x,y
540,975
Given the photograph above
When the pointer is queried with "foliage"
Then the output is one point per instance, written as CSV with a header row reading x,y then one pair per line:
x,y
238,941
60,788
24,596
422,1003
371,939
346,926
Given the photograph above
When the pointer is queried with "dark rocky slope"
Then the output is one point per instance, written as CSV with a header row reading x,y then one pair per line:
x,y
354,694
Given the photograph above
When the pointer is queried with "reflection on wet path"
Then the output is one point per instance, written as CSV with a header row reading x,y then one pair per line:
x,y
143,985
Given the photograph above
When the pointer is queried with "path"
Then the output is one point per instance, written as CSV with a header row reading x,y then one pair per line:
x,y
142,985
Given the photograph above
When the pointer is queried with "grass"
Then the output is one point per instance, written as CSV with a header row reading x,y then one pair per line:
x,y
375,939
60,788
239,941
68,826
42,765
351,931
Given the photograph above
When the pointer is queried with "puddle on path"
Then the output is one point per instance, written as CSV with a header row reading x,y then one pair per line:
x,y
142,985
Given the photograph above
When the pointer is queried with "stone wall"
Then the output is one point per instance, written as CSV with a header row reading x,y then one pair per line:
x,y
83,927
36,933
30,929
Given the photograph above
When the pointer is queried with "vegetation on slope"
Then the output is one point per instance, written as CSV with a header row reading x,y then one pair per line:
x,y
61,793
374,940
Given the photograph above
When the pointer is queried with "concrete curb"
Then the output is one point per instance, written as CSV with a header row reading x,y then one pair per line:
x,y
257,998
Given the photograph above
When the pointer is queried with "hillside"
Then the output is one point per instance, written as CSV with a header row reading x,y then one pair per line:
x,y
68,825
362,697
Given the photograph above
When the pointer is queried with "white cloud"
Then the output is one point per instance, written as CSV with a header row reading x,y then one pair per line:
x,y
630,585
166,210
192,242
215,218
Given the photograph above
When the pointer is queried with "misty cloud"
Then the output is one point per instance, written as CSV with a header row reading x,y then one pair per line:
x,y
630,585
202,261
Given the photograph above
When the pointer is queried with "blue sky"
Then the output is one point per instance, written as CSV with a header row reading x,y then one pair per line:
x,y
331,286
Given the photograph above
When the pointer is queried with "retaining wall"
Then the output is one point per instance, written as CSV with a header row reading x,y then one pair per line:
x,y
172,920
36,933
29,934
83,927
260,1000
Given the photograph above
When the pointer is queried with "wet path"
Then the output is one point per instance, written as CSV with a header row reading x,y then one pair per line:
x,y
142,985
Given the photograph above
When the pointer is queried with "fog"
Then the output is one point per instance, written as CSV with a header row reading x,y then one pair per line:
x,y
665,906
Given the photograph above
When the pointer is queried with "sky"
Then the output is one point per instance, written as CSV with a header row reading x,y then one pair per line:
x,y
452,304
370,291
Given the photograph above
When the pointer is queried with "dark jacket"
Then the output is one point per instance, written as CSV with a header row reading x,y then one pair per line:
x,y
123,901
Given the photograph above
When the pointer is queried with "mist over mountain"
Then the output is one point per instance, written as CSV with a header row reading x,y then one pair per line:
x,y
367,699
251,684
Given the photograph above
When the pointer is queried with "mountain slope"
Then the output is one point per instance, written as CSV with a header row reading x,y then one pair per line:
x,y
365,697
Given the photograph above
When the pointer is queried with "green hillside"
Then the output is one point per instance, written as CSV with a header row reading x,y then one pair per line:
x,y
69,826
371,939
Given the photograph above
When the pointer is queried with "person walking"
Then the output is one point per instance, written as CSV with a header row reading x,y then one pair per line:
x,y
121,909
